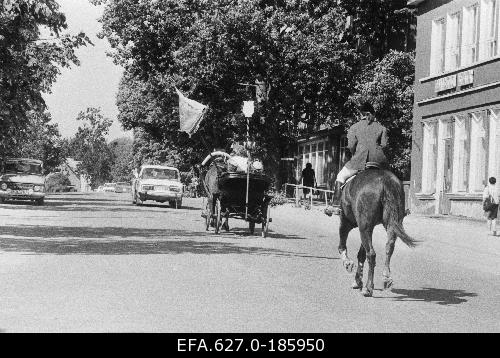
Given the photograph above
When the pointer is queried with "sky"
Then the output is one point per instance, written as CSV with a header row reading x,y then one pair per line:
x,y
92,84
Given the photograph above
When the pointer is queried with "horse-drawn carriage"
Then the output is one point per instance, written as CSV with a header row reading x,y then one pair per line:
x,y
235,194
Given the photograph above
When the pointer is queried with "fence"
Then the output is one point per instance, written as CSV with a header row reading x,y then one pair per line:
x,y
317,192
406,188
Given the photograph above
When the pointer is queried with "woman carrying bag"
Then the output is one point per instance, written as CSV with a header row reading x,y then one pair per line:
x,y
490,205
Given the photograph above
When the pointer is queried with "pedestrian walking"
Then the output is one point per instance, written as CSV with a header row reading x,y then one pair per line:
x,y
490,204
308,178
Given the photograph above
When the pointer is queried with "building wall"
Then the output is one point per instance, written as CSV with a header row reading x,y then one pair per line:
x,y
432,106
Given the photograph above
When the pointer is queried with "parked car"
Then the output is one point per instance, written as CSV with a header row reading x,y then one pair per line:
x,y
109,187
123,187
22,179
159,183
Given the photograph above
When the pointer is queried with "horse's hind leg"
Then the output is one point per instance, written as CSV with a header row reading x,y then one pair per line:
x,y
389,249
345,228
358,278
366,240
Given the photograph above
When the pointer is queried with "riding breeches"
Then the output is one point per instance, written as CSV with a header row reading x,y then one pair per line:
x,y
345,174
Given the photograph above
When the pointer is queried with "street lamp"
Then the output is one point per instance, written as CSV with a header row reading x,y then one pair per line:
x,y
248,109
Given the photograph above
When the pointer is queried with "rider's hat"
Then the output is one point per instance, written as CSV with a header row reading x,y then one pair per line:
x,y
366,107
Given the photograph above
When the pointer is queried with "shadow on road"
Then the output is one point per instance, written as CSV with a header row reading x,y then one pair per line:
x,y
435,295
98,205
62,240
240,232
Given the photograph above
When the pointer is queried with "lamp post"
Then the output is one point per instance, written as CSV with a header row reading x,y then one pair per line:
x,y
248,109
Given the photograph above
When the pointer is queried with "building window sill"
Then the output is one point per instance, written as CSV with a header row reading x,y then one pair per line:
x,y
424,196
464,68
465,196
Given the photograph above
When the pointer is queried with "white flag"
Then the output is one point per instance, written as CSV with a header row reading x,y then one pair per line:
x,y
190,114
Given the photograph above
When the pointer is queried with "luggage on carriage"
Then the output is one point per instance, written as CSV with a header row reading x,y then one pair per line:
x,y
233,193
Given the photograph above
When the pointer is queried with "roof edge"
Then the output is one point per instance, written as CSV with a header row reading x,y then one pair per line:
x,y
414,2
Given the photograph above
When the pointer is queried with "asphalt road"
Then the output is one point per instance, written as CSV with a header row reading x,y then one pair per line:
x,y
97,263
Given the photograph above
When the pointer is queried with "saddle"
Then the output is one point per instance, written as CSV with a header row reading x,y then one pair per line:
x,y
368,165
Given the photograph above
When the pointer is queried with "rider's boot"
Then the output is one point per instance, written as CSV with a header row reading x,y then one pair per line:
x,y
334,208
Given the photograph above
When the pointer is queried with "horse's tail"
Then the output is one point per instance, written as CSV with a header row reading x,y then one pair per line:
x,y
394,210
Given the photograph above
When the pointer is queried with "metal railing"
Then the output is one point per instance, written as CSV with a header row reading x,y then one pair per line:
x,y
312,190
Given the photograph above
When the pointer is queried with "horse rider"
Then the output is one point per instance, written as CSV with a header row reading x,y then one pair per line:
x,y
366,140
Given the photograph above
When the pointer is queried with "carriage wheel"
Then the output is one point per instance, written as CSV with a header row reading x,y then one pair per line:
x,y
251,226
218,219
265,223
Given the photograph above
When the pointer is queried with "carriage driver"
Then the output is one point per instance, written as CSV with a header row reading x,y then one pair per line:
x,y
366,140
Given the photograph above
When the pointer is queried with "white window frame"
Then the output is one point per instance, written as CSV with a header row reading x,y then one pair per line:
x,y
429,165
307,158
453,41
488,37
458,172
438,43
470,31
477,169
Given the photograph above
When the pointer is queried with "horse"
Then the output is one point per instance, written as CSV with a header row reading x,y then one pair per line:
x,y
211,186
374,196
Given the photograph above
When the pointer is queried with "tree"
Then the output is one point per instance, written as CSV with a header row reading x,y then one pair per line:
x,y
388,84
123,164
305,52
207,48
39,140
29,64
90,148
56,181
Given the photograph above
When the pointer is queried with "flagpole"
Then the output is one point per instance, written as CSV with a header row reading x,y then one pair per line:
x,y
248,166
248,108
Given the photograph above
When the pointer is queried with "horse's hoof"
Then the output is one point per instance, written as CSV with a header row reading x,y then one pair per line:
x,y
349,266
367,292
356,285
388,282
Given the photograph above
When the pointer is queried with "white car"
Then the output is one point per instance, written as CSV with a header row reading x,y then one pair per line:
x,y
109,187
159,183
22,179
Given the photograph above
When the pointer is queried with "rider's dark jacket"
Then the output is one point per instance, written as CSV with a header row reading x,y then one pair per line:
x,y
366,141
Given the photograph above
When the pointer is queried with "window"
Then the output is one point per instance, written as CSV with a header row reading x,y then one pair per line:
x,y
429,158
488,37
462,129
452,52
479,151
314,153
448,155
495,116
343,151
470,38
438,46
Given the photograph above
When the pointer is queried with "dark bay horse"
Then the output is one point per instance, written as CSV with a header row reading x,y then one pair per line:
x,y
374,196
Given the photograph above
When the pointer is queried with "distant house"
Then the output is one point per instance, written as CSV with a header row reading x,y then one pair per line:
x,y
78,181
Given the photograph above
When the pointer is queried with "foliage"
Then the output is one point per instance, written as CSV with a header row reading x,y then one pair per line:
x,y
40,139
122,167
29,64
279,198
90,148
56,181
304,51
388,84
378,26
